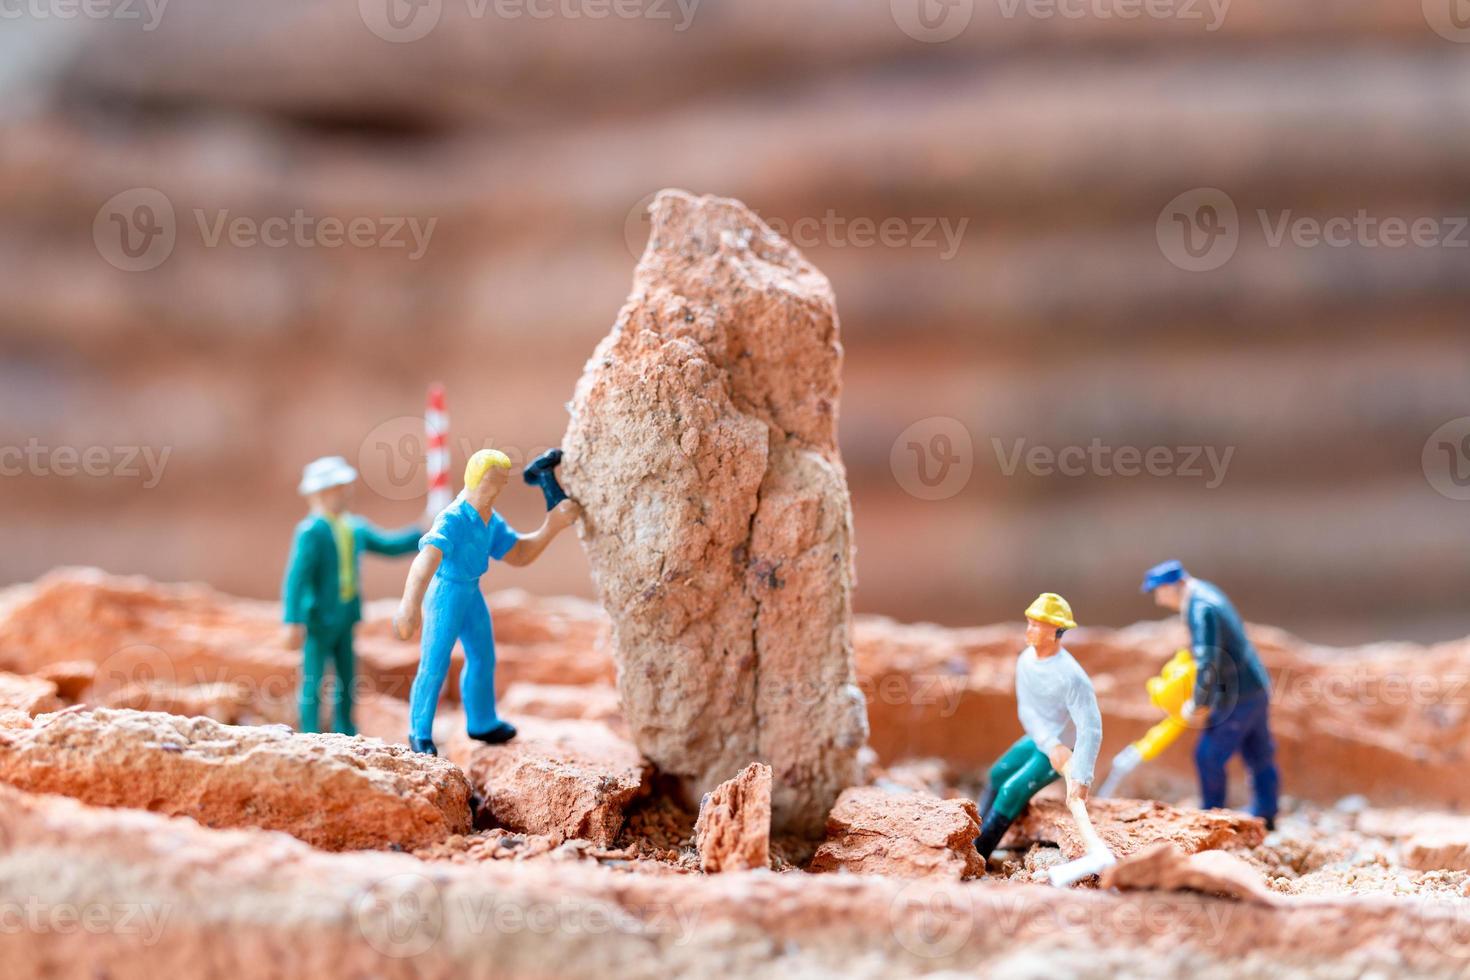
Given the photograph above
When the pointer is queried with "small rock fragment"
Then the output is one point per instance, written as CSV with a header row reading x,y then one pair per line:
x,y
733,832
1439,850
71,677
591,702
907,835
1164,867
30,695
225,701
566,779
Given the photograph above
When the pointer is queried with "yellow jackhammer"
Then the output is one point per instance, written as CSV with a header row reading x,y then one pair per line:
x,y
1169,692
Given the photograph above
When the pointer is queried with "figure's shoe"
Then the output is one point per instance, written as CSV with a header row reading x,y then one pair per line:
x,y
424,745
991,832
503,731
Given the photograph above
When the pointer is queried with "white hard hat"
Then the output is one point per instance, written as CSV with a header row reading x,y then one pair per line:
x,y
329,471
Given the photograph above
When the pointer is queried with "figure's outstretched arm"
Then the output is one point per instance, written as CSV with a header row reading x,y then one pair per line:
x,y
530,546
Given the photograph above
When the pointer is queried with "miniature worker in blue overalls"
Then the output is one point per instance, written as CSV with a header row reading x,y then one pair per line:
x,y
321,599
1232,691
443,590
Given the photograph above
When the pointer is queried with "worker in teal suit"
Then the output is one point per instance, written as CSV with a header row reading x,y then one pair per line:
x,y
321,596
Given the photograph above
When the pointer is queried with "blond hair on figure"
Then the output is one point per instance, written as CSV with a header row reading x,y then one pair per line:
x,y
474,469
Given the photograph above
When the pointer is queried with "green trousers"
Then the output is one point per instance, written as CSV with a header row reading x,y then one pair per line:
x,y
1019,775
323,645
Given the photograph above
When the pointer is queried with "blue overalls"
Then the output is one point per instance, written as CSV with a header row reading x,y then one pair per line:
x,y
454,609
1231,681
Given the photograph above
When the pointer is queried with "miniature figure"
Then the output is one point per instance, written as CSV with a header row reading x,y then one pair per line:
x,y
443,592
322,600
1169,692
1055,703
1232,692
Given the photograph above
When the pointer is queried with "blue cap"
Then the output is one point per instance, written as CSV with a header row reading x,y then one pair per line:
x,y
1164,573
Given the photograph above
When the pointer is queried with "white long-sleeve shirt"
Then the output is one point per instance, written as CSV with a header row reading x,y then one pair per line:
x,y
1056,705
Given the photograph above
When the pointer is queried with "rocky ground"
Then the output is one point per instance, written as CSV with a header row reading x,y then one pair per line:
x,y
156,815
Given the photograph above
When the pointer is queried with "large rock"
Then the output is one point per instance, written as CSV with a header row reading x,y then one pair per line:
x,y
907,835
565,779
733,832
332,791
702,447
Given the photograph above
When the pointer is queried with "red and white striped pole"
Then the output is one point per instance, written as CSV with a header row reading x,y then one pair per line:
x,y
436,435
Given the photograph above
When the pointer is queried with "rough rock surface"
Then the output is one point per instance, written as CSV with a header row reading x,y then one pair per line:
x,y
564,779
331,791
30,695
201,902
908,835
733,832
702,447
1129,826
1164,867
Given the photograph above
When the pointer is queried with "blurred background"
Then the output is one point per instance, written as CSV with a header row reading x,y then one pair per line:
x,y
1119,280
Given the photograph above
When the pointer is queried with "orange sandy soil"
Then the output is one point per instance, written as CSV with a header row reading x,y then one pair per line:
x,y
1368,871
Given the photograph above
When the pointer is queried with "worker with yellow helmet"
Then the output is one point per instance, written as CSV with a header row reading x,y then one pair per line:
x,y
1056,706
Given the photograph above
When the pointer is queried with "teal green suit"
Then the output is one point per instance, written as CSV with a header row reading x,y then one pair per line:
x,y
312,595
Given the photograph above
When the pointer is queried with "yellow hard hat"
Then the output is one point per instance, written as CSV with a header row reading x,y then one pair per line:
x,y
1052,608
